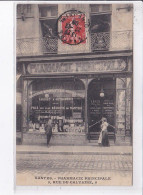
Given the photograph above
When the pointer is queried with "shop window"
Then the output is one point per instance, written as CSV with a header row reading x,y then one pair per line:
x,y
60,101
24,10
100,27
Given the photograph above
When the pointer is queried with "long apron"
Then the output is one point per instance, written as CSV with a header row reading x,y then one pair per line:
x,y
100,138
105,139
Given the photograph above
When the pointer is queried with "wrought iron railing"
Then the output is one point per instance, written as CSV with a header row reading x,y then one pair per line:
x,y
117,40
36,46
121,40
100,41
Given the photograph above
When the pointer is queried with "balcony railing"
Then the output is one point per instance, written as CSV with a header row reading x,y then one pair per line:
x,y
36,46
100,41
121,40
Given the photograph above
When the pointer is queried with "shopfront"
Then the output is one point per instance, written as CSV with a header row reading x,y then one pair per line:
x,y
62,100
76,95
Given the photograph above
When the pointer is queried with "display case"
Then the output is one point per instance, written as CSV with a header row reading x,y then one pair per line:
x,y
67,114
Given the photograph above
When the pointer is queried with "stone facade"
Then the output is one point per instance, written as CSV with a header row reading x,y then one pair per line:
x,y
76,62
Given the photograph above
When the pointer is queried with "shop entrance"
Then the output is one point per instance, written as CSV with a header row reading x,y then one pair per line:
x,y
101,103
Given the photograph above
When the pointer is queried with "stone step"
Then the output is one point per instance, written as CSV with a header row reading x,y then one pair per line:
x,y
37,138
32,138
69,139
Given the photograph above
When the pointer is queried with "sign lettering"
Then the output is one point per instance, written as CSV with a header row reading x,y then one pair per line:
x,y
78,67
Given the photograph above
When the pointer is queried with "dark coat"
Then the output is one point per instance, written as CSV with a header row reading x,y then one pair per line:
x,y
48,129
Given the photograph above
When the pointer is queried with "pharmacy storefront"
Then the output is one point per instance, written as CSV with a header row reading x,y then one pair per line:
x,y
76,95
62,100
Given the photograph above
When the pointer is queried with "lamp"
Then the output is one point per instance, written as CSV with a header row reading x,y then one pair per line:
x,y
102,92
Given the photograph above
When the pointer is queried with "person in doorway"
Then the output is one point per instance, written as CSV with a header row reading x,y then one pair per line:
x,y
48,129
60,124
103,137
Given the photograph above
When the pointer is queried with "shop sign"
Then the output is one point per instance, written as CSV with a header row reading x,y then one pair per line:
x,y
57,92
77,67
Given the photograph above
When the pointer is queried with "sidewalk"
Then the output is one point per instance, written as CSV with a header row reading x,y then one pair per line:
x,y
95,150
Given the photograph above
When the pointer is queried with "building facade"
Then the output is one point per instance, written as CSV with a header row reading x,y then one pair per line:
x,y
74,81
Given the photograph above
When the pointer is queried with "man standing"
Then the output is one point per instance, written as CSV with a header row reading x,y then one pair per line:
x,y
48,129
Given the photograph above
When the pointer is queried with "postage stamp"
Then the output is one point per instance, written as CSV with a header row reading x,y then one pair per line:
x,y
73,27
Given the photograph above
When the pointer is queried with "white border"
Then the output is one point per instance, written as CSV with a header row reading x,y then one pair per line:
x,y
7,59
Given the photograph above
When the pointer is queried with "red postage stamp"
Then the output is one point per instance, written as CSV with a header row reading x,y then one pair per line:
x,y
73,29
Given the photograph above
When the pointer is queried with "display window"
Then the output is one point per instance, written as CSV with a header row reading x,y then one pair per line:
x,y
63,103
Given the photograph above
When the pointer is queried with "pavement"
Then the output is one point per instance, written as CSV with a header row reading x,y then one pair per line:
x,y
48,165
86,150
51,169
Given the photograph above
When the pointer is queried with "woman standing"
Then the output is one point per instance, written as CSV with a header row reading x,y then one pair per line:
x,y
103,137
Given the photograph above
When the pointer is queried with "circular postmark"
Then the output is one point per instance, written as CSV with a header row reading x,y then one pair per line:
x,y
71,27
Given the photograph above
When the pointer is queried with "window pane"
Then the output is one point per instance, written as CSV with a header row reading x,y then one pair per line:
x,y
54,11
100,8
106,7
49,11
24,9
28,8
95,8
19,9
43,12
100,23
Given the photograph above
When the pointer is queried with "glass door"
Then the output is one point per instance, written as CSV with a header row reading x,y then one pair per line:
x,y
101,103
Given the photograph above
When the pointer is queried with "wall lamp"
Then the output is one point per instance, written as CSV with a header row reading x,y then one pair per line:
x,y
102,92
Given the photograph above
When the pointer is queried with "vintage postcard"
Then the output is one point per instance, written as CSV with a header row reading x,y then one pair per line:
x,y
74,94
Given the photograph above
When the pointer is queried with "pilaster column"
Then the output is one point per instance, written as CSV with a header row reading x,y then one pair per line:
x,y
86,81
86,105
25,106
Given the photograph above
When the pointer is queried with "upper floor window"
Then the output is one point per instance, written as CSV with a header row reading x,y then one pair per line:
x,y
100,8
49,11
100,23
24,10
100,17
48,15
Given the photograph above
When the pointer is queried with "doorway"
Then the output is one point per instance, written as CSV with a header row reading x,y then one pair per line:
x,y
101,103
